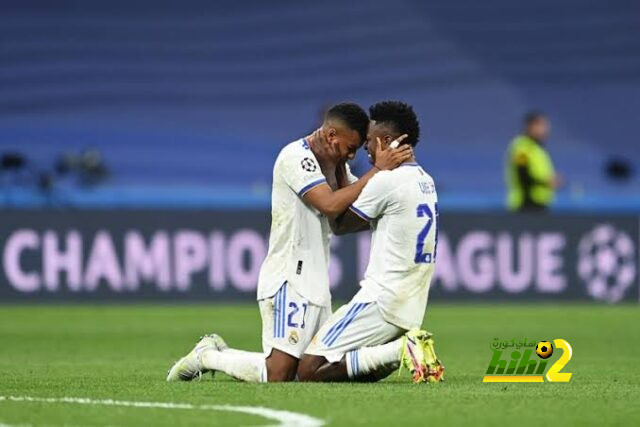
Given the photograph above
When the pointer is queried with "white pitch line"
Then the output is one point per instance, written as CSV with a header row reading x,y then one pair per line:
x,y
284,418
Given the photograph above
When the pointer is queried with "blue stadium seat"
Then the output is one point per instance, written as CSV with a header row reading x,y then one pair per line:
x,y
206,95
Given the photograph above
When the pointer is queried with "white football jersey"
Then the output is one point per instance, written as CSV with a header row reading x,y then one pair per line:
x,y
402,207
300,234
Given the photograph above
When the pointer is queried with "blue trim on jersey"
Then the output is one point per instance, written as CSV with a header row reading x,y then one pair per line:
x,y
339,327
283,311
355,368
339,323
409,164
310,186
330,340
276,312
279,305
360,213
305,143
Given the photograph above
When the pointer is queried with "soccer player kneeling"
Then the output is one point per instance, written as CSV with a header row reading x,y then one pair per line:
x,y
376,332
311,185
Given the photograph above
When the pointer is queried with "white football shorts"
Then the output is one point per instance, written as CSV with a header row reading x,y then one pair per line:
x,y
354,325
290,321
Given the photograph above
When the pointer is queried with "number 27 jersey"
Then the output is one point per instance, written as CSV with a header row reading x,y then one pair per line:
x,y
402,207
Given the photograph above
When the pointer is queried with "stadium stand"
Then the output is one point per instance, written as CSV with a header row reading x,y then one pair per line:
x,y
194,104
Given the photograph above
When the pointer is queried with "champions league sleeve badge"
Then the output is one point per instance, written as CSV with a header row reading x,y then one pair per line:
x,y
308,164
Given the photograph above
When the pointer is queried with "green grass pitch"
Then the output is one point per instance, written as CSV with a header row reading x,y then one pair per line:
x,y
123,353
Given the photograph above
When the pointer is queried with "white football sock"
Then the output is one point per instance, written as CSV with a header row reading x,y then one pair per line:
x,y
366,360
242,365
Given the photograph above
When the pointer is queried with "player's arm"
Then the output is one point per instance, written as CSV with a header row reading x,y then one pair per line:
x,y
333,203
346,223
349,222
374,202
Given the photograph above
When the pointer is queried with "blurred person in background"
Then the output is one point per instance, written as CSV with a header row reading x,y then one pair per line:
x,y
530,174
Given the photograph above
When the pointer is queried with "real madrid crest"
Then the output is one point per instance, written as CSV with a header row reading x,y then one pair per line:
x,y
293,338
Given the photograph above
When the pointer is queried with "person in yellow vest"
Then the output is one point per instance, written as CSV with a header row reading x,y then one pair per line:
x,y
530,175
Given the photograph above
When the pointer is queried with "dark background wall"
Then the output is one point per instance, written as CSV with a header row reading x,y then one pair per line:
x,y
102,256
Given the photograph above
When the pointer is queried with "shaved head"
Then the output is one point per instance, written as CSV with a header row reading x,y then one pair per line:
x,y
345,127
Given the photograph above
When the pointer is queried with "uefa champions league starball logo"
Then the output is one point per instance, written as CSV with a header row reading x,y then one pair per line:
x,y
308,164
607,262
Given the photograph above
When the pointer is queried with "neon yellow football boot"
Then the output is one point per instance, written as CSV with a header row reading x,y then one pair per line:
x,y
419,357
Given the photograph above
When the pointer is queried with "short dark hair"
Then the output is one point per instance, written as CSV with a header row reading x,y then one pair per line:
x,y
351,115
533,116
398,115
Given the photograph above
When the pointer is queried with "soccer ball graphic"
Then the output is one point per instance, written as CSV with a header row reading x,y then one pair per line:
x,y
544,349
607,263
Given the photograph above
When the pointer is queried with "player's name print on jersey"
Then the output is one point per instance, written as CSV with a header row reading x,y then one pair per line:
x,y
427,187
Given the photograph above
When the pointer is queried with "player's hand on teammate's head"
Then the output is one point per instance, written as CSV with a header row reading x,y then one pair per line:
x,y
390,158
326,153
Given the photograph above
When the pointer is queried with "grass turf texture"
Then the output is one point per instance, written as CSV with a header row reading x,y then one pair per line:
x,y
123,353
